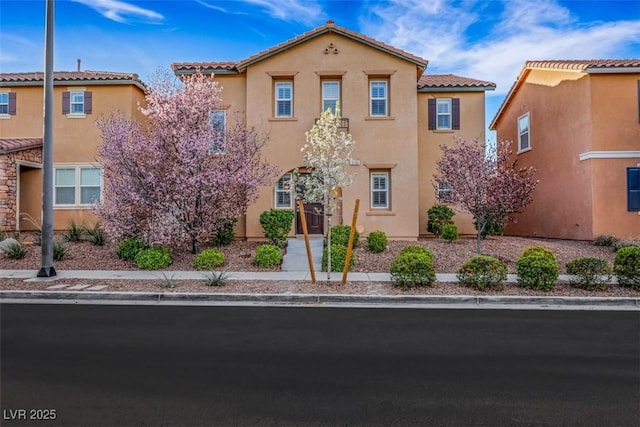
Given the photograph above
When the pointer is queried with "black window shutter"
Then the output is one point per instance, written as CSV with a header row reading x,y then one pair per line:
x,y
432,113
12,103
455,113
66,102
88,103
633,189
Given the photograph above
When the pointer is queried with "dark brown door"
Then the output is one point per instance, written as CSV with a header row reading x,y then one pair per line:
x,y
314,216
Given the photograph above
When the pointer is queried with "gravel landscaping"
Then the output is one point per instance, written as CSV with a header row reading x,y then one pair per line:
x,y
239,257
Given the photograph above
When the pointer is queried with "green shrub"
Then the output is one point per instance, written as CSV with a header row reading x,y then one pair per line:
x,y
340,235
60,249
625,244
494,227
439,216
226,234
216,279
268,256
377,241
414,249
74,233
208,259
413,270
605,240
16,250
483,272
97,235
277,225
130,247
591,273
537,272
449,232
338,257
541,251
153,258
626,266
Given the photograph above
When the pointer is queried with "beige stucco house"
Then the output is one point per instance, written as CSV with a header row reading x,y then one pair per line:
x,y
578,123
81,97
397,115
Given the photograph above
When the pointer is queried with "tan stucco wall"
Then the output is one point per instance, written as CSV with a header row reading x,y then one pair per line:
x,y
572,113
472,113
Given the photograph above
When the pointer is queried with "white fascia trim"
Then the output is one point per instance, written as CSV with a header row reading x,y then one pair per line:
x,y
609,155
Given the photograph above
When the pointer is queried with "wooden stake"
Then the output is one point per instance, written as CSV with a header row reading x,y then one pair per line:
x,y
347,259
303,221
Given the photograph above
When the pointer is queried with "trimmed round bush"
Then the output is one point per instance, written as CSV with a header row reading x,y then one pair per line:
x,y
153,258
267,256
439,216
130,247
537,272
208,259
338,257
449,233
413,270
591,273
483,272
276,224
541,251
625,244
340,235
377,241
626,266
414,249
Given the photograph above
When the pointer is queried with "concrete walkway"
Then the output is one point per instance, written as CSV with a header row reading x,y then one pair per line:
x,y
296,257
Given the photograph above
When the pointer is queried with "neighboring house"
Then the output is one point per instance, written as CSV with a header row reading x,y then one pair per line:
x,y
397,116
81,98
578,123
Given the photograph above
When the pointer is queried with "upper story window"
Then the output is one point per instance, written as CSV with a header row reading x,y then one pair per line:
x,y
77,185
7,103
443,192
76,103
330,95
283,191
284,99
444,113
378,98
380,190
218,122
524,142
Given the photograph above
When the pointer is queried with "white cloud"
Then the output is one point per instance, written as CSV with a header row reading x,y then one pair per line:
x,y
303,11
120,11
445,33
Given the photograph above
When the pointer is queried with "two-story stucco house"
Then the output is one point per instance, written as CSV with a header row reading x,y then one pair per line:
x,y
81,97
578,123
397,115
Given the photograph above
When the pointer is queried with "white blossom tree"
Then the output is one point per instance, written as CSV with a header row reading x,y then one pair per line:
x,y
326,153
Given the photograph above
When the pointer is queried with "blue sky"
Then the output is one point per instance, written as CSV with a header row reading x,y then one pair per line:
x,y
488,40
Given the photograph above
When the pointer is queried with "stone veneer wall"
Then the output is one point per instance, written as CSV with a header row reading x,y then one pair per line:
x,y
9,184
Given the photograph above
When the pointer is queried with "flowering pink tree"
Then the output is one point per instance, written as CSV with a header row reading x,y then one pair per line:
x,y
488,187
181,174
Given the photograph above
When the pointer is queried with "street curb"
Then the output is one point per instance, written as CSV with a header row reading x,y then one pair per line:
x,y
466,301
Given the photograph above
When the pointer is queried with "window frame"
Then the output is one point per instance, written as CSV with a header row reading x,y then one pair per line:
x,y
277,191
449,103
212,113
385,99
443,192
386,190
77,185
522,149
72,103
325,99
277,98
3,104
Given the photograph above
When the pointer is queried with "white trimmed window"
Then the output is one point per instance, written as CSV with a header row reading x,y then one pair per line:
x,y
378,98
77,185
218,122
444,192
443,113
283,190
4,103
330,95
284,99
76,103
380,190
524,142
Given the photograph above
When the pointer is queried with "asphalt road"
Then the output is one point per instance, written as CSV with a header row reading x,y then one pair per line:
x,y
100,365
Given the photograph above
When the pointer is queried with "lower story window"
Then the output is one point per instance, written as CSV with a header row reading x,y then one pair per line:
x,y
77,185
444,192
283,192
380,190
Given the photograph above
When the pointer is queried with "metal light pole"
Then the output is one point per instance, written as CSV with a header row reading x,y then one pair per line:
x,y
46,269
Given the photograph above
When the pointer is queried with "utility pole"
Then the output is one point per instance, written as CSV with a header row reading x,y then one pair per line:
x,y
46,269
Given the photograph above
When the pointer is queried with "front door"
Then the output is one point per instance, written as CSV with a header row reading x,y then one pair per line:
x,y
314,217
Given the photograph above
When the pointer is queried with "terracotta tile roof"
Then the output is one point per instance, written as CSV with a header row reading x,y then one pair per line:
x,y
452,81
8,145
329,27
71,76
583,64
